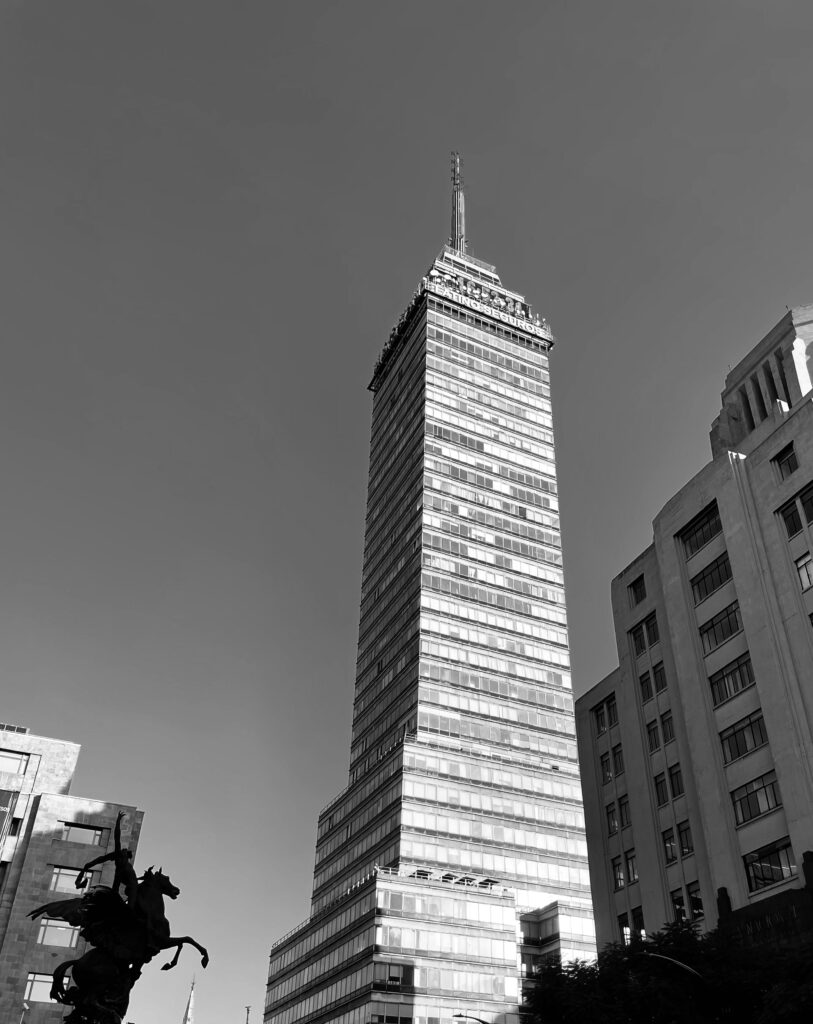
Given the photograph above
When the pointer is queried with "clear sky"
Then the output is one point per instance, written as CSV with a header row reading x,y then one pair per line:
x,y
210,216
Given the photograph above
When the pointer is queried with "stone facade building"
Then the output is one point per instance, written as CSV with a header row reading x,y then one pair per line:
x,y
46,834
697,751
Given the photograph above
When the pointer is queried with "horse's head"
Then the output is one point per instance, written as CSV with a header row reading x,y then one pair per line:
x,y
161,882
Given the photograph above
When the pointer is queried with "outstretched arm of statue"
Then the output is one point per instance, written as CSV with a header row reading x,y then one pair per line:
x,y
81,881
117,831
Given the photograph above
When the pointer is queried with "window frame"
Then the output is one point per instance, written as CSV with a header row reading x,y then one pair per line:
x,y
636,588
778,846
676,772
783,458
667,726
630,866
804,571
706,517
712,575
611,814
684,838
741,727
653,736
711,628
21,757
731,671
624,816
669,845
661,789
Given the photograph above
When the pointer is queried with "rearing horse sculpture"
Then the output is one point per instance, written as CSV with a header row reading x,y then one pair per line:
x,y
125,935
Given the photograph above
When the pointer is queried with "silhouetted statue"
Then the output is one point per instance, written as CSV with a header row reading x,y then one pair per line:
x,y
125,935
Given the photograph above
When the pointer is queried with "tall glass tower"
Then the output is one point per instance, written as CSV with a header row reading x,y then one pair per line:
x,y
455,858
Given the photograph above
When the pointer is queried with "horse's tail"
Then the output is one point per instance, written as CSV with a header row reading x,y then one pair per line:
x,y
57,985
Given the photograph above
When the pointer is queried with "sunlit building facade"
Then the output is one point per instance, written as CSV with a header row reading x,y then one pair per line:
x,y
456,856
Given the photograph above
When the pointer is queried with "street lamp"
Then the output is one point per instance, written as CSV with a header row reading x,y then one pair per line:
x,y
468,1016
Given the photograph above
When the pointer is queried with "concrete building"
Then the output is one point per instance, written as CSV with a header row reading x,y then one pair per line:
x,y
46,834
462,819
697,751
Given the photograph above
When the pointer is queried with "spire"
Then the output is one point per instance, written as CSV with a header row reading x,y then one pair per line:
x,y
457,240
190,1006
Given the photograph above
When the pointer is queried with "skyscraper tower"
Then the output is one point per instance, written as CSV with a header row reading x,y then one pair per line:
x,y
456,856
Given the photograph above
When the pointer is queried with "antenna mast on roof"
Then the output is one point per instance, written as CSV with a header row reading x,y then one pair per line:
x,y
457,239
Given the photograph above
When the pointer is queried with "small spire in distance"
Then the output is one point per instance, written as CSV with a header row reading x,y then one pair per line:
x,y
457,239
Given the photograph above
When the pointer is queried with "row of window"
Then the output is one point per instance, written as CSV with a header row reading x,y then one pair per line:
x,y
682,843
721,627
624,870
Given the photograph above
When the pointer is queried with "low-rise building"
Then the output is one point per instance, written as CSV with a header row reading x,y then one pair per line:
x,y
46,835
697,751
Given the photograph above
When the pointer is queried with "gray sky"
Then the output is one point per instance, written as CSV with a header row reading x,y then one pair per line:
x,y
211,214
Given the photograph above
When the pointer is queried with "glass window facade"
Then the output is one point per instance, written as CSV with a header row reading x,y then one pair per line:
x,y
463,762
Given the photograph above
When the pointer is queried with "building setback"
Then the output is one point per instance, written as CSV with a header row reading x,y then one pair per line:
x,y
46,835
697,751
463,810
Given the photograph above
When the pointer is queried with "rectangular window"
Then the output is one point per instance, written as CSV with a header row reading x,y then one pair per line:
x,y
62,879
769,865
600,719
57,933
653,736
612,711
624,811
659,675
636,591
38,988
791,518
618,873
676,780
606,770
678,905
612,820
646,687
685,839
618,760
695,900
638,639
735,676
742,737
806,498
669,847
624,928
668,727
13,761
89,835
711,578
724,625
755,798
652,633
632,866
786,462
804,567
638,922
661,792
701,530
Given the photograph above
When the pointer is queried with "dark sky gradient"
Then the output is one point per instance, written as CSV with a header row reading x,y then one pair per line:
x,y
210,216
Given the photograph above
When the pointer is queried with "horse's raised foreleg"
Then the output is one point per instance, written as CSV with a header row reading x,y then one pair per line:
x,y
179,942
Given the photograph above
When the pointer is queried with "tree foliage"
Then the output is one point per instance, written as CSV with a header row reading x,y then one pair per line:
x,y
677,976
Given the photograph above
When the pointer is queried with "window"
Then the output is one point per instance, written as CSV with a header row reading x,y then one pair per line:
x,y
606,770
701,530
668,727
632,866
638,922
600,719
62,879
87,834
755,798
676,780
724,625
711,578
652,634
742,737
804,567
38,988
786,462
769,865
669,847
612,820
653,736
791,518
618,760
735,676
636,591
661,792
393,977
806,498
685,839
13,761
57,933
638,639
618,874
612,711
605,714
624,811
646,687
695,900
624,929
659,675
678,905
